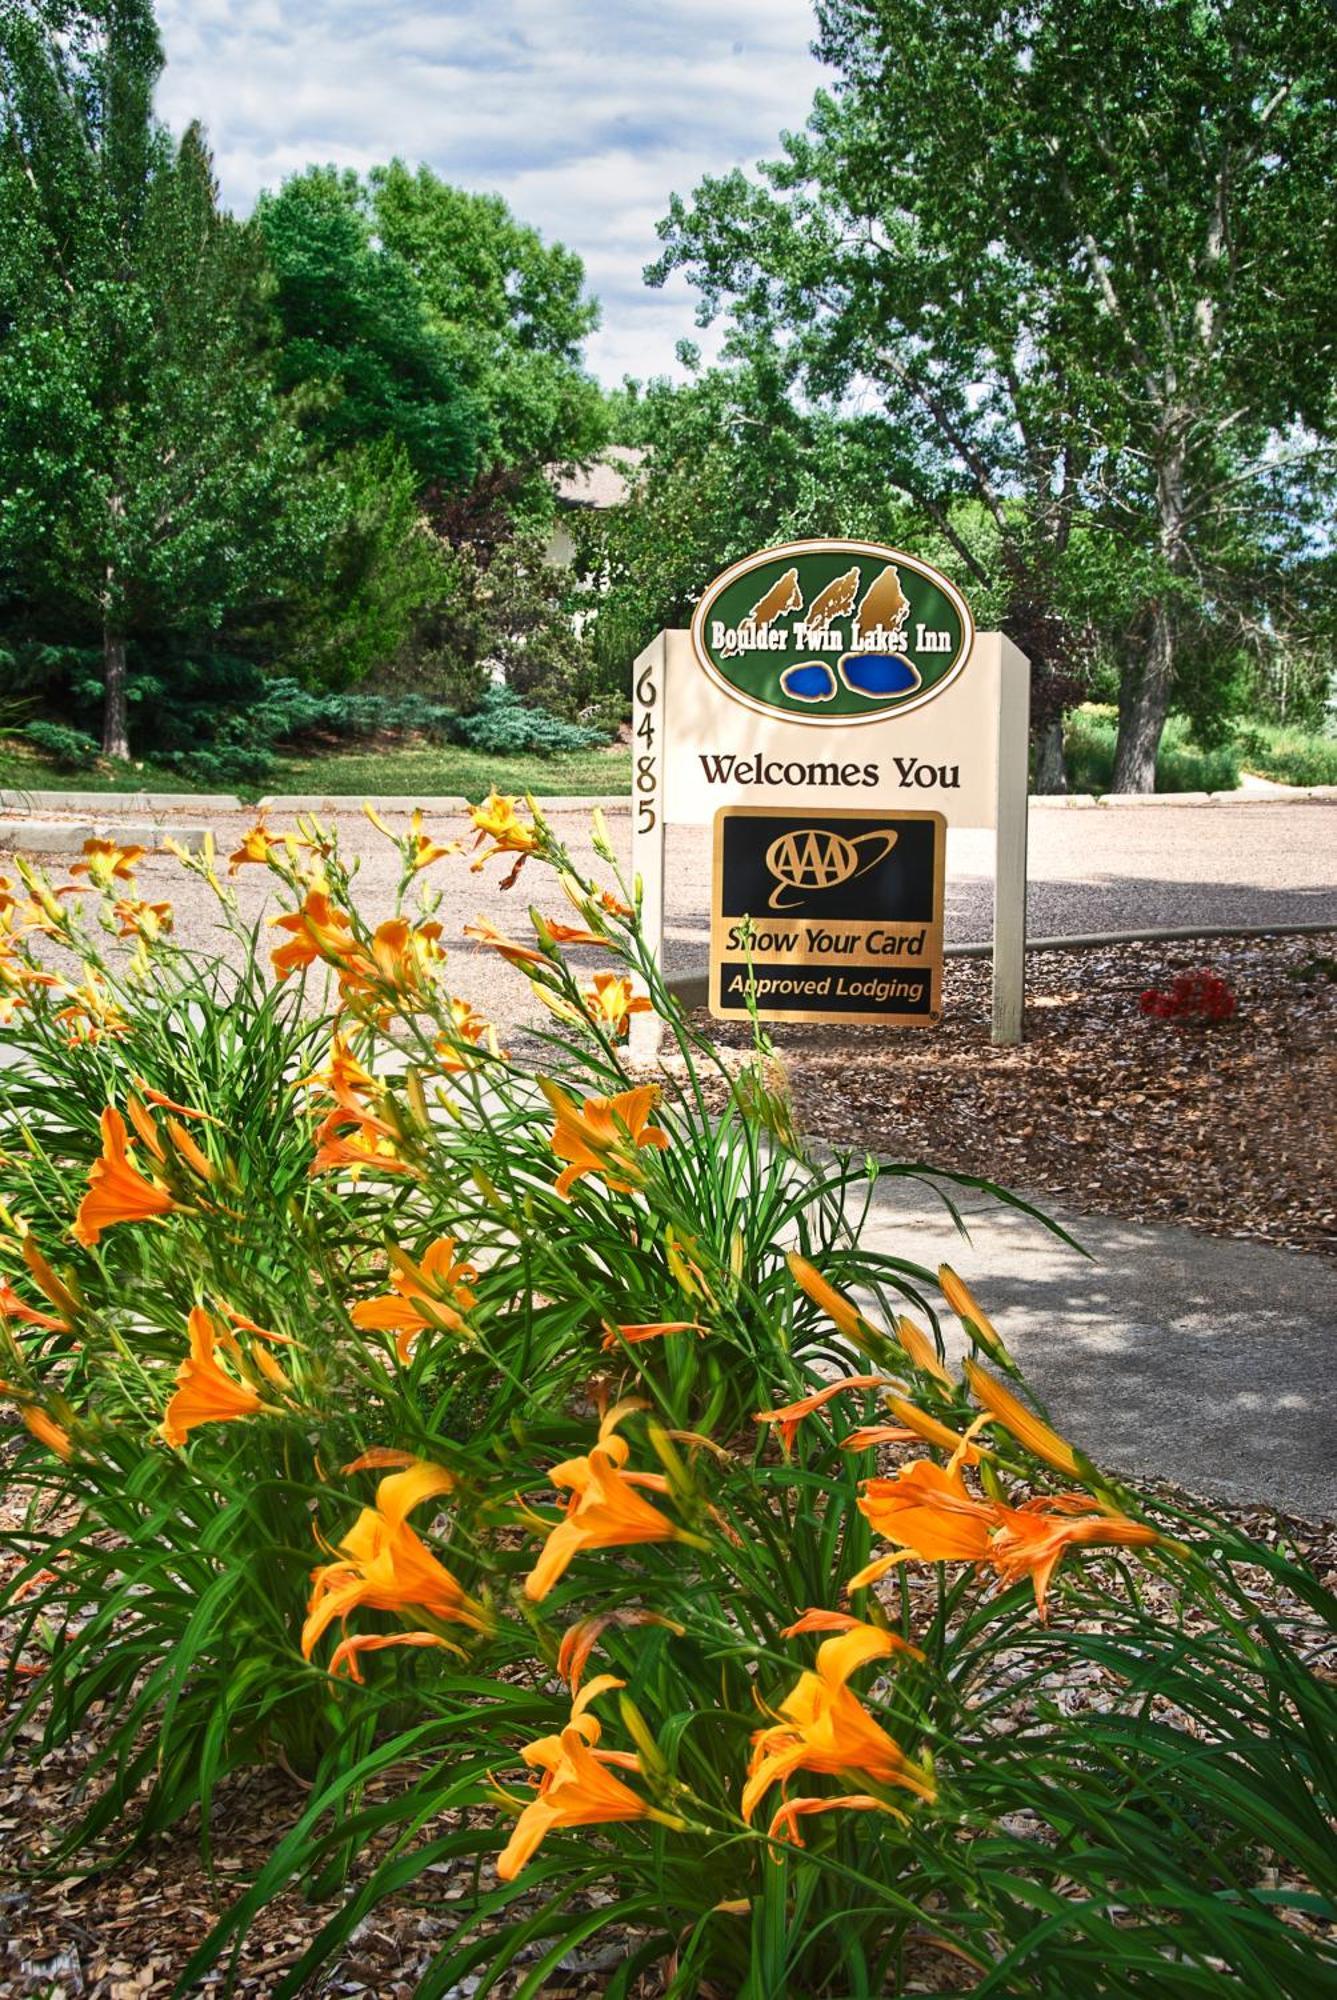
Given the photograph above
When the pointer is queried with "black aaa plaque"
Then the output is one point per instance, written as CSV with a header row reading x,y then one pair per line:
x,y
827,916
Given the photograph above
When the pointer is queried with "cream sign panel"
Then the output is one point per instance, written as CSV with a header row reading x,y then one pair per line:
x,y
716,750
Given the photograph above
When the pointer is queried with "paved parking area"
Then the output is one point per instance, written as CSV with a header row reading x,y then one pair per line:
x,y
1109,868
1112,868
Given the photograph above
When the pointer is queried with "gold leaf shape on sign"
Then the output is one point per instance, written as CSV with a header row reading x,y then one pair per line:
x,y
783,595
835,600
884,603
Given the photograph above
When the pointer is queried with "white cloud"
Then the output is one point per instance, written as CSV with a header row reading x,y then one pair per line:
x,y
586,116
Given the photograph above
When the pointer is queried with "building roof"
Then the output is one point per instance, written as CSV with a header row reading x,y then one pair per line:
x,y
605,482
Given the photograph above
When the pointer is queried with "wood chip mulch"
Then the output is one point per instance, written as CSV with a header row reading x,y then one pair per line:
x,y
1229,1128
127,1933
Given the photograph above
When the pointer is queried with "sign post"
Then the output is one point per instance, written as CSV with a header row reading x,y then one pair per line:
x,y
827,676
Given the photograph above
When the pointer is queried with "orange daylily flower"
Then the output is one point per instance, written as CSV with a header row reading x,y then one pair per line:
x,y
577,1787
318,931
431,1295
117,1191
605,1510
351,1136
403,956
205,1393
106,862
419,849
256,846
13,1306
483,931
569,934
1032,1539
498,820
784,1825
601,1134
371,1148
343,1075
647,1330
610,1000
347,1654
1024,1425
790,1415
467,1027
149,921
926,1510
382,1564
825,1729
379,1458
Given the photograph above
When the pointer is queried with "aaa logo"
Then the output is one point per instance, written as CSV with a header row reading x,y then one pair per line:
x,y
832,632
811,858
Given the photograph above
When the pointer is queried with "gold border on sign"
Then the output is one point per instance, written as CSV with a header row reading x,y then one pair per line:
x,y
810,1018
814,548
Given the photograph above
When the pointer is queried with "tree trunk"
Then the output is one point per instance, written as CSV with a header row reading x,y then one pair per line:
x,y
115,712
1051,773
1144,701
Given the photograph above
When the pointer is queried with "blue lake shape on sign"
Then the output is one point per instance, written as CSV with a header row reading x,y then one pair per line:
x,y
809,680
878,675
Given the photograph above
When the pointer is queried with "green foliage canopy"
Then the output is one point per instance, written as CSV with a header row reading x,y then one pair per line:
x,y
1080,256
354,334
149,480
511,310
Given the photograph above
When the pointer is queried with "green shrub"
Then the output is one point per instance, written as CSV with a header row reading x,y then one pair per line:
x,y
240,743
503,724
1181,765
70,748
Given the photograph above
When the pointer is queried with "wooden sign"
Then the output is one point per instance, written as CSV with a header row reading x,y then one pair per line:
x,y
827,916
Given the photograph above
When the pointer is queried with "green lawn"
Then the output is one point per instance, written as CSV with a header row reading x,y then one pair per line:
x,y
1287,755
1290,756
426,770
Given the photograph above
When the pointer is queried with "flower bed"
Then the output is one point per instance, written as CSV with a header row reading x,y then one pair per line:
x,y
540,1472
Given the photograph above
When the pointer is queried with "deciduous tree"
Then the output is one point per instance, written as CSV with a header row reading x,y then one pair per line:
x,y
1081,254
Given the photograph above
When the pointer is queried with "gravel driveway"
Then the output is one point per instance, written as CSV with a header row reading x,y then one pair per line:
x,y
1105,869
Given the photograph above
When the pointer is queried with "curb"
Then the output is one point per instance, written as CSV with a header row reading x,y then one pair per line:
x,y
324,802
163,805
67,836
1089,801
112,804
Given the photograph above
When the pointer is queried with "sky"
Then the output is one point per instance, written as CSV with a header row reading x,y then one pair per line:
x,y
585,115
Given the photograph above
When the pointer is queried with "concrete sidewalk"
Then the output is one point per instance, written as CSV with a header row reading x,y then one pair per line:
x,y
1173,1354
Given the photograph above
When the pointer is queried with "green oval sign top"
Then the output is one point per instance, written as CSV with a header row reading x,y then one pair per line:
x,y
832,632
